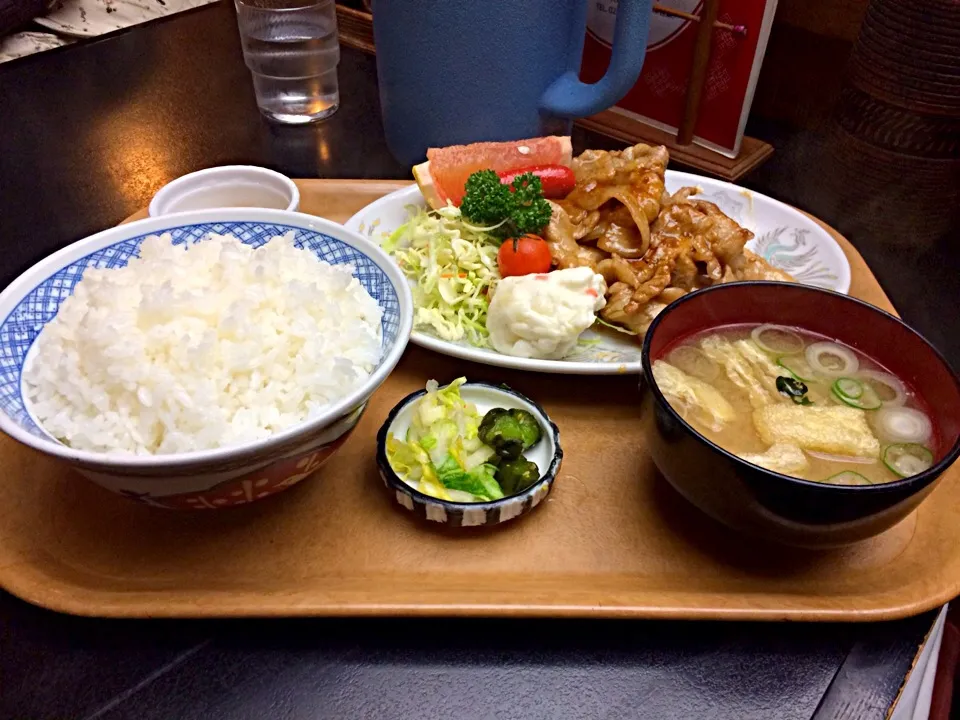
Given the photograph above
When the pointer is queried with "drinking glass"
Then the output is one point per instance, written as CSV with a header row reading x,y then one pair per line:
x,y
292,50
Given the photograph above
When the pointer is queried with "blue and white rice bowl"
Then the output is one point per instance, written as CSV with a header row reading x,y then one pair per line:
x,y
547,454
205,478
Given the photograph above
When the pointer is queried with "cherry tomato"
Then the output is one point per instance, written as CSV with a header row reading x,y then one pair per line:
x,y
525,255
557,180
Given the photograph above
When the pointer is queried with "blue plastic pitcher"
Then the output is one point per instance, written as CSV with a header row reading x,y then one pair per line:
x,y
461,71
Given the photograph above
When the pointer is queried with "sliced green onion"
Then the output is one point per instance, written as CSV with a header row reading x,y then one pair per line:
x,y
868,400
832,359
907,459
891,391
848,387
848,477
777,339
797,366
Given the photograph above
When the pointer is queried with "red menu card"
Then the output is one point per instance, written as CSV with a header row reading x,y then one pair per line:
x,y
658,97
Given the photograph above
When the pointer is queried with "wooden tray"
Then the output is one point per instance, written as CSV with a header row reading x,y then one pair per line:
x,y
613,539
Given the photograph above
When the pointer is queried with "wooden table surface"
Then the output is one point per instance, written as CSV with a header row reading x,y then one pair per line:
x,y
87,134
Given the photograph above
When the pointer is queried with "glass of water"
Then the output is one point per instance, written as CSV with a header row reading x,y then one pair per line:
x,y
292,50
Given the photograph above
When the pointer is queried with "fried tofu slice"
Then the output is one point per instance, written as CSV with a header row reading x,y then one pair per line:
x,y
835,430
781,458
740,370
763,367
690,395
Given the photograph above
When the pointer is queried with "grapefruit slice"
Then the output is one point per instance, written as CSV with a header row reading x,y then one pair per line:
x,y
444,174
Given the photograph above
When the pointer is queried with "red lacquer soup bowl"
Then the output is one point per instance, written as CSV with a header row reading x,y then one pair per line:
x,y
767,504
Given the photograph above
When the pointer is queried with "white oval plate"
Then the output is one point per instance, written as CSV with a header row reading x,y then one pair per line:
x,y
785,237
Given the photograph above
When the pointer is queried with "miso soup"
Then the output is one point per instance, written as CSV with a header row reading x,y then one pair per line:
x,y
799,404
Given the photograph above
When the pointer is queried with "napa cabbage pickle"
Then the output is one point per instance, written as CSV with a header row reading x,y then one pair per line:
x,y
452,453
479,481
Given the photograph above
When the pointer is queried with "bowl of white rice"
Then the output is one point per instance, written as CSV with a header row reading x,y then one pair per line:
x,y
204,359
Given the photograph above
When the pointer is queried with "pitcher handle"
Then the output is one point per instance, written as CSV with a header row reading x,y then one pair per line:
x,y
568,96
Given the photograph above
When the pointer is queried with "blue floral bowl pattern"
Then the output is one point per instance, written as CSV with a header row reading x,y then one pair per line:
x,y
34,298
21,327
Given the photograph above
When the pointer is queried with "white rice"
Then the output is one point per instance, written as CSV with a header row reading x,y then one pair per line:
x,y
202,347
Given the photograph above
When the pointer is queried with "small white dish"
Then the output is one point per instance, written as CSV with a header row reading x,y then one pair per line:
x,y
230,186
784,236
546,454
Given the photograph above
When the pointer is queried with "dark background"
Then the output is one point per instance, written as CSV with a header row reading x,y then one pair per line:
x,y
88,134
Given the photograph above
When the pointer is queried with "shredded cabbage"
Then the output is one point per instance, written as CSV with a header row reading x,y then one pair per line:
x,y
442,454
454,268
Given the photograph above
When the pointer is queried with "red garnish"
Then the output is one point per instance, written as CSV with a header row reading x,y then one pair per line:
x,y
557,180
526,255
